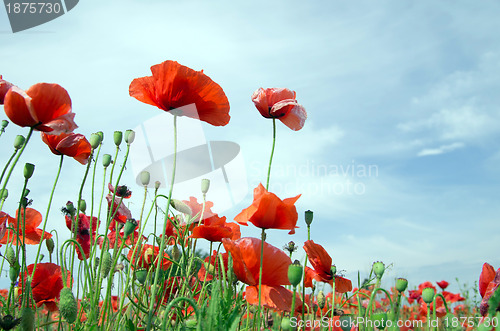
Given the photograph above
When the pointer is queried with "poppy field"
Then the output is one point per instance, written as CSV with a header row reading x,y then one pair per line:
x,y
114,275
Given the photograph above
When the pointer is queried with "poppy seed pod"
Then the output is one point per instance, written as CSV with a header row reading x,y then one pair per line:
x,y
4,124
141,275
67,305
27,320
321,299
181,207
129,227
428,294
285,323
308,217
19,141
106,264
205,185
295,271
346,322
28,170
378,268
129,136
380,320
4,194
95,140
117,137
82,205
145,177
106,160
401,284
157,184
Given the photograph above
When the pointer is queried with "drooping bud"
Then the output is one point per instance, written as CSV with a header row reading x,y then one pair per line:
x,y
129,227
27,320
321,299
19,141
49,243
401,284
129,136
95,140
82,205
14,272
106,160
308,217
67,305
295,271
10,255
117,136
181,207
145,177
205,185
428,294
141,275
29,168
378,268
106,262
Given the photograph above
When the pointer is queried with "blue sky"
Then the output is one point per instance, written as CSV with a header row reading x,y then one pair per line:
x,y
406,88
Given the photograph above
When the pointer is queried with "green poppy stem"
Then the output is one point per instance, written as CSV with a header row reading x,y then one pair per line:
x,y
272,154
263,239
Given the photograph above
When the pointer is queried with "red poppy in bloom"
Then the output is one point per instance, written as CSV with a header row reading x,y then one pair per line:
x,y
83,233
147,257
47,284
280,103
4,87
322,264
197,208
120,212
270,212
487,286
443,284
115,238
452,297
74,145
45,107
486,277
245,253
215,228
173,86
31,232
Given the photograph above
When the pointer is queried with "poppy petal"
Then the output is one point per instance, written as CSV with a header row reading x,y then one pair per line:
x,y
272,297
143,89
49,101
294,115
17,107
486,277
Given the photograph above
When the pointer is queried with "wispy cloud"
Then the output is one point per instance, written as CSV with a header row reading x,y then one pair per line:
x,y
441,149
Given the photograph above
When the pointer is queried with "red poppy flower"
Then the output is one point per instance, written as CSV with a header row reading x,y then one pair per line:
x,y
83,232
486,277
74,145
45,107
443,284
215,228
120,212
31,232
270,212
280,103
173,86
197,207
272,297
147,257
322,264
115,239
452,297
487,286
4,87
47,284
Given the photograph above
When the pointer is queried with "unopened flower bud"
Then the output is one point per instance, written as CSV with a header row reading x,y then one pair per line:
x,y
141,275
10,255
28,170
145,177
4,124
176,253
401,284
321,299
14,272
68,307
129,227
27,319
428,294
117,136
106,264
181,207
49,243
295,271
4,194
205,185
378,268
129,136
309,217
95,140
19,142
82,205
106,160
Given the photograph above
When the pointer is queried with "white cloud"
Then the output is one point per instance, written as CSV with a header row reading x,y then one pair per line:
x,y
441,149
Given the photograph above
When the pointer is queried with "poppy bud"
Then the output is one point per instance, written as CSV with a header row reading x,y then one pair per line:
x,y
346,322
82,205
380,320
176,253
106,264
378,268
145,177
10,255
4,124
295,271
106,160
19,142
28,170
95,140
67,305
14,272
428,294
27,319
157,184
401,284
129,136
117,136
181,207
333,269
141,275
321,299
205,185
308,217
49,243
4,194
285,323
129,227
